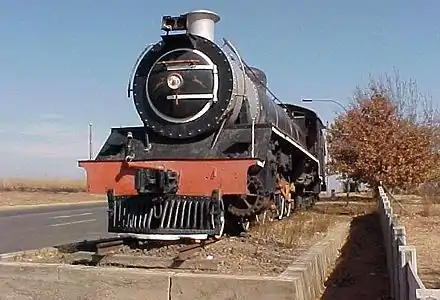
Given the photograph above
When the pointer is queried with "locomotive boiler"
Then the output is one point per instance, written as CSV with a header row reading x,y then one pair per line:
x,y
213,147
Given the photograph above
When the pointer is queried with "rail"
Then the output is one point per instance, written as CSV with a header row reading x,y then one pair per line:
x,y
401,257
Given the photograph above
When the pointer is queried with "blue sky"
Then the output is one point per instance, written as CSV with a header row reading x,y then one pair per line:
x,y
66,63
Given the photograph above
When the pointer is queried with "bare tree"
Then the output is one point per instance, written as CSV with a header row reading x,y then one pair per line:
x,y
411,105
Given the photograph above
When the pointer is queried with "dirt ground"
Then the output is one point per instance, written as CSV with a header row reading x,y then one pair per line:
x,y
14,198
421,219
361,270
266,250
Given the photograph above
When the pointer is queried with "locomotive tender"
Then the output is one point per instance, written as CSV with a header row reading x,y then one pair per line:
x,y
213,147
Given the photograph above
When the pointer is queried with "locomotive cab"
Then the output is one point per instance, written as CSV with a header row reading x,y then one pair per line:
x,y
313,133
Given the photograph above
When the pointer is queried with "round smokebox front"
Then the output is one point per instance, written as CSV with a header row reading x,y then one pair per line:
x,y
181,85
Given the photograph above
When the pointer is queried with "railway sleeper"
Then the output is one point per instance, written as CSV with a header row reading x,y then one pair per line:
x,y
171,214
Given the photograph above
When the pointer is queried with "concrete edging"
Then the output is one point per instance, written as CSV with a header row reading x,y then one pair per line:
x,y
314,266
302,280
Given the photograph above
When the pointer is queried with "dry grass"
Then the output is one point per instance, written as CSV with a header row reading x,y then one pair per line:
x,y
422,232
427,195
314,222
353,198
14,192
11,199
48,185
289,233
420,214
351,210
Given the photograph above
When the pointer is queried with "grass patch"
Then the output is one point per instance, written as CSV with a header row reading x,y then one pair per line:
x,y
431,200
42,185
288,233
419,212
307,224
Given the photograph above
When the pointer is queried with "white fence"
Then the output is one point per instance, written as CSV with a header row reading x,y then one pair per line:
x,y
401,258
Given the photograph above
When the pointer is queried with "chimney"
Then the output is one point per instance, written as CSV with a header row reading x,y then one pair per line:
x,y
202,23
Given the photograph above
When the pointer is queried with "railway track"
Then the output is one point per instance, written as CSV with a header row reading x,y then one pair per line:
x,y
113,252
265,249
182,250
231,252
187,249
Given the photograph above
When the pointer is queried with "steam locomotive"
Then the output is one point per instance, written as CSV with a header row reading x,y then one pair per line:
x,y
214,147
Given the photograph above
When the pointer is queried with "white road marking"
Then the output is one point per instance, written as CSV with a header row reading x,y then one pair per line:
x,y
70,216
71,223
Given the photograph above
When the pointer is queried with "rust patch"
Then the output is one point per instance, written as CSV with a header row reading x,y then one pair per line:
x,y
197,177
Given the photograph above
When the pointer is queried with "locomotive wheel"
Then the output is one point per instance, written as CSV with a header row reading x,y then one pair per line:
x,y
245,223
219,220
284,207
222,227
310,200
274,212
288,209
281,206
251,204
261,218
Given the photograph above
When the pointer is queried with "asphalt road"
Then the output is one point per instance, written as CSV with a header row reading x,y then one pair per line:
x,y
26,229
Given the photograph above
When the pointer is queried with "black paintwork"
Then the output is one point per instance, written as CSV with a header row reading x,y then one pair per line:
x,y
159,139
194,82
314,137
156,209
207,122
231,142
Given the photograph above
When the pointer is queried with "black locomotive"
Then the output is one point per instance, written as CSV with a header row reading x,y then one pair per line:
x,y
213,147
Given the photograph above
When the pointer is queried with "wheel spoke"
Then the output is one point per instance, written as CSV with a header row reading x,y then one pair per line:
x,y
252,203
247,203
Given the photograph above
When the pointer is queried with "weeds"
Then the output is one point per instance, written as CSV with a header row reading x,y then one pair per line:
x,y
288,232
307,224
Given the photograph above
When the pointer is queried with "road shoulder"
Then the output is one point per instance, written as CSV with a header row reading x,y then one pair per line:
x,y
15,200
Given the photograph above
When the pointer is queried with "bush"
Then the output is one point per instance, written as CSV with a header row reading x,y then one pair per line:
x,y
386,137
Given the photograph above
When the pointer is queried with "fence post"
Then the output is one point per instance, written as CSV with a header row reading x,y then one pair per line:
x,y
407,257
387,231
401,288
401,233
411,258
393,274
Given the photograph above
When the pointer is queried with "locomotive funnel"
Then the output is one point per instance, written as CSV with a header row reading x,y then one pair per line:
x,y
202,23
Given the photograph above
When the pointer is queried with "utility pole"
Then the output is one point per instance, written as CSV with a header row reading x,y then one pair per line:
x,y
90,142
327,156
